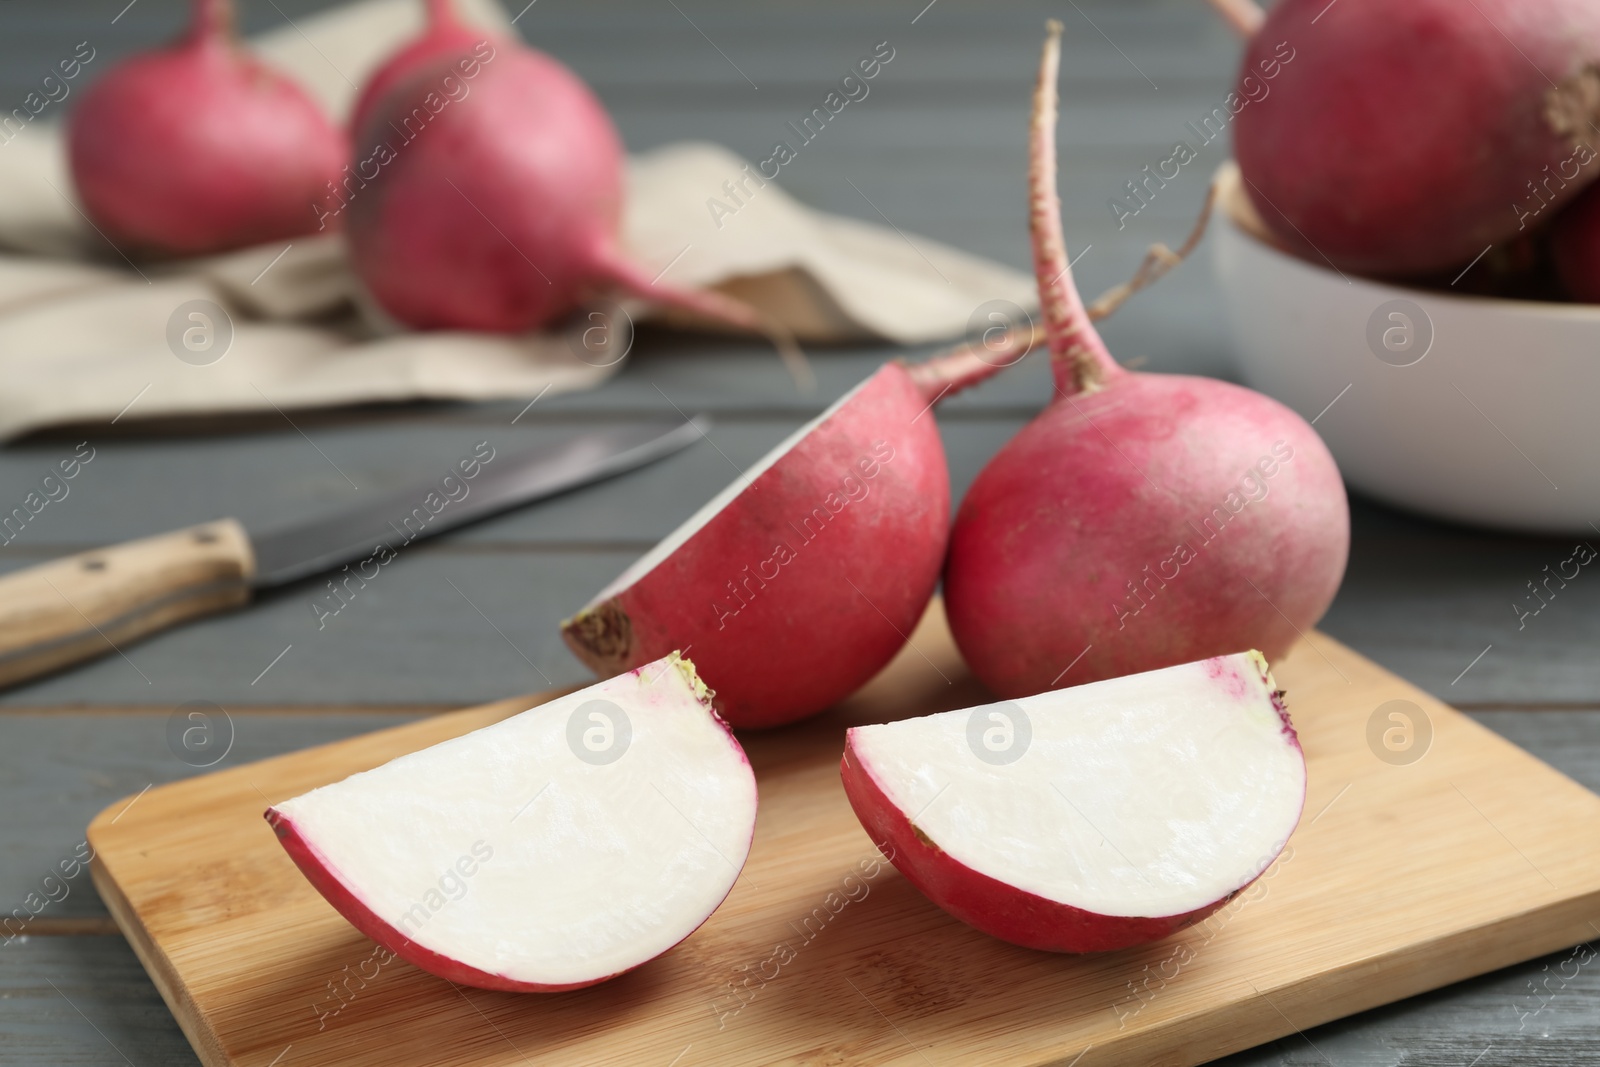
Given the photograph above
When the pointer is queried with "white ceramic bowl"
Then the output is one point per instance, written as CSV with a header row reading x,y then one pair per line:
x,y
1467,408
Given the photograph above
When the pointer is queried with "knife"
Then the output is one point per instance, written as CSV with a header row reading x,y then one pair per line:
x,y
86,605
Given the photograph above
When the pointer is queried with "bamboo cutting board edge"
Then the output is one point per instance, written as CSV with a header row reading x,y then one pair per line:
x,y
193,1022
1453,954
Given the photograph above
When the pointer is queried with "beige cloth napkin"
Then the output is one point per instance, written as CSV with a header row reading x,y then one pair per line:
x,y
86,336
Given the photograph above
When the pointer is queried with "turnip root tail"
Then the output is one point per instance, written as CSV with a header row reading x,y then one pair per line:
x,y
1079,356
1245,16
708,303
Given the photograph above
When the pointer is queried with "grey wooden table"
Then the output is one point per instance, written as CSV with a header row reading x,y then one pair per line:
x,y
939,147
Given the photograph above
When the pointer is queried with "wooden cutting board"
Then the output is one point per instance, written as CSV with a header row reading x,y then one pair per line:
x,y
1405,874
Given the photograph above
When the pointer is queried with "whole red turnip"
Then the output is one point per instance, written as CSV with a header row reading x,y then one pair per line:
x,y
1402,138
487,195
197,147
1141,520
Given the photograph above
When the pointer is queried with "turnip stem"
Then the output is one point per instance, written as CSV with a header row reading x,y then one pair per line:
x,y
972,362
213,19
1080,358
1157,261
441,13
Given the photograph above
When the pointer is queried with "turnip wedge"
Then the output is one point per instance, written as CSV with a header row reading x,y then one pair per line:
x,y
550,851
1089,818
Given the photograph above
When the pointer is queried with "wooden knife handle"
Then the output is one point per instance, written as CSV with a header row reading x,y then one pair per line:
x,y
87,605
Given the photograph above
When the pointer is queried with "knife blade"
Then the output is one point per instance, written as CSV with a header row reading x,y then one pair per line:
x,y
89,604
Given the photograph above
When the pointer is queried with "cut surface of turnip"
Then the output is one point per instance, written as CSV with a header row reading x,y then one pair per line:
x,y
1090,818
549,851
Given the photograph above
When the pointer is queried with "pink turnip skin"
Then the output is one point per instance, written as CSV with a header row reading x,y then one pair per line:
x,y
198,148
784,634
445,36
1402,138
1575,247
1084,542
499,206
986,903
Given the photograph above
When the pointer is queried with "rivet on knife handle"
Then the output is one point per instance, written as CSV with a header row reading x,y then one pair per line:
x,y
86,605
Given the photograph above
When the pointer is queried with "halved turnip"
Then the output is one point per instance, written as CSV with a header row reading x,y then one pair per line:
x,y
800,580
1090,818
550,851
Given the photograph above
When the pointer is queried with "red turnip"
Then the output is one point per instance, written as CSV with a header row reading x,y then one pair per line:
x,y
1090,818
550,851
1141,520
487,195
800,580
198,148
1401,138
